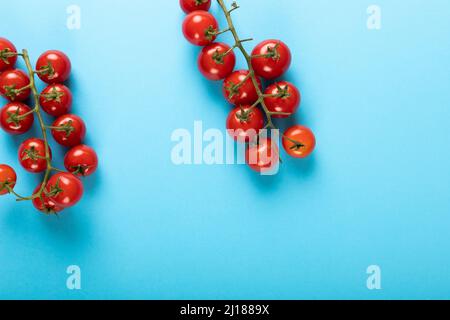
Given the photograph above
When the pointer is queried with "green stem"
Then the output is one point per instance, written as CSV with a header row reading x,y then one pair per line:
x,y
23,116
235,6
23,89
240,84
57,170
18,196
222,31
37,110
248,59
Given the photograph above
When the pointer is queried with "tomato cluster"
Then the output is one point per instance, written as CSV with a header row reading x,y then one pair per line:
x,y
59,189
254,107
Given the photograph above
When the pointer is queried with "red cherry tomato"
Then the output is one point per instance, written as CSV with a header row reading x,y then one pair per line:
x,y
16,118
32,155
189,6
8,178
200,28
69,130
299,141
237,93
53,67
244,124
81,161
64,190
214,64
44,204
287,99
271,59
7,57
56,100
264,156
12,84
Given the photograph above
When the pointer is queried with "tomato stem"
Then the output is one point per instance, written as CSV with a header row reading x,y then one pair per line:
x,y
37,110
23,116
222,31
234,7
7,53
22,89
248,58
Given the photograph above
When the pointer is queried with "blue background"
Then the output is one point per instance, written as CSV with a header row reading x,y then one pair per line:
x,y
375,192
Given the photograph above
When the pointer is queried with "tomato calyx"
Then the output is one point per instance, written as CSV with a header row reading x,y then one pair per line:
x,y
200,2
272,53
296,144
5,54
54,95
297,147
47,208
283,93
11,91
218,56
80,170
47,70
233,88
210,33
31,154
244,115
14,117
54,190
7,185
67,128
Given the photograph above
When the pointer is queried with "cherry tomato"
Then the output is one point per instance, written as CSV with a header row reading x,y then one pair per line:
x,y
264,156
44,203
69,130
244,123
56,100
13,119
237,93
200,28
53,67
12,84
271,59
214,64
64,190
189,6
81,161
32,155
287,99
8,178
299,141
7,57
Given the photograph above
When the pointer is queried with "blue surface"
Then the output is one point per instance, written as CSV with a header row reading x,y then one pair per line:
x,y
375,192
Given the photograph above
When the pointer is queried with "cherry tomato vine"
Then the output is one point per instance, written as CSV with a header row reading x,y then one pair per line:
x,y
255,108
59,189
